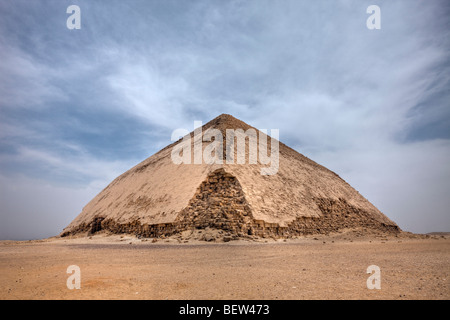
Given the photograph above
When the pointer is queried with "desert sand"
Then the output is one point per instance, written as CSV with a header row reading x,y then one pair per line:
x,y
313,267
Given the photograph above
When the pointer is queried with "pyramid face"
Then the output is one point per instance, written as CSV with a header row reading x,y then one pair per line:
x,y
161,197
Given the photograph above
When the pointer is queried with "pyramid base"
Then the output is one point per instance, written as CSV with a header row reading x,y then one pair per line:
x,y
258,228
220,203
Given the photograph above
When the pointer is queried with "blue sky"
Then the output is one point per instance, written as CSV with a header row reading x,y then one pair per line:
x,y
79,107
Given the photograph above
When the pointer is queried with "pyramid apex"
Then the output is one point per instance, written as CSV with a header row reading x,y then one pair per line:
x,y
224,117
226,121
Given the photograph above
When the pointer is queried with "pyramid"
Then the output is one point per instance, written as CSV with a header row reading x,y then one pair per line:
x,y
158,197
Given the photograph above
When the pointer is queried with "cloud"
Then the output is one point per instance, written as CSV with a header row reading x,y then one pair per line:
x,y
25,83
41,200
146,92
80,107
33,209
407,182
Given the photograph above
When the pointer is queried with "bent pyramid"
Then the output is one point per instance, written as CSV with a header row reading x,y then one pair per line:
x,y
159,198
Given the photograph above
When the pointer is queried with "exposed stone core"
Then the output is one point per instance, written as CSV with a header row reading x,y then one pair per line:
x,y
220,203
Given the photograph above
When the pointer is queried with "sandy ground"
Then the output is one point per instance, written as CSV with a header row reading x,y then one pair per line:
x,y
123,267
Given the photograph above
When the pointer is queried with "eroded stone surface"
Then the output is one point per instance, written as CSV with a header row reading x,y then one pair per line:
x,y
220,203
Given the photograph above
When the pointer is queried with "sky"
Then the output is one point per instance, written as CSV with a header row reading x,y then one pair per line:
x,y
79,107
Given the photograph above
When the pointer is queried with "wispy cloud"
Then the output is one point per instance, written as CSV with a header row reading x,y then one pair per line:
x,y
79,107
25,83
